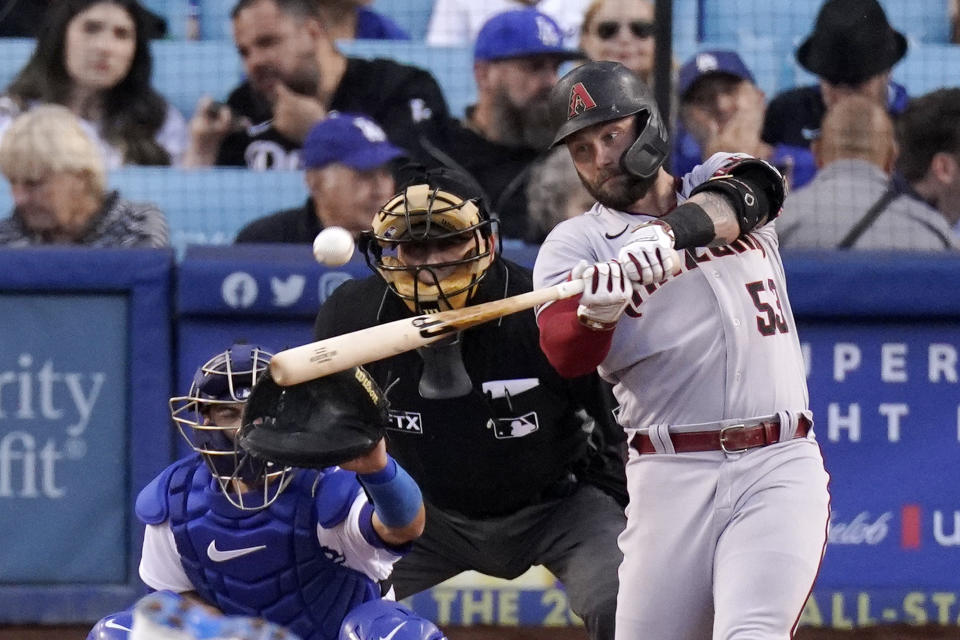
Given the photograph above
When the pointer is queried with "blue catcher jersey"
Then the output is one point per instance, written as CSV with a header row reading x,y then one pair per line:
x,y
269,563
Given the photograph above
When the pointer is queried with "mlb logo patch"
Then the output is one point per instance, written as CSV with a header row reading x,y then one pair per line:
x,y
406,422
517,427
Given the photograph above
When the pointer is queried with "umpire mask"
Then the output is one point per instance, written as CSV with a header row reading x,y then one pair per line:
x,y
438,214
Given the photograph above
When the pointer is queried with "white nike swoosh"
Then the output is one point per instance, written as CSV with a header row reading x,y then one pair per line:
x,y
222,556
110,624
390,635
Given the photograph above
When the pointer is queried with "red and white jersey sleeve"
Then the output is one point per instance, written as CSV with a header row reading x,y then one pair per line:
x,y
717,337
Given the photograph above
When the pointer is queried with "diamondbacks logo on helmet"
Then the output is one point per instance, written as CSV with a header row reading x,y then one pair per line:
x,y
580,100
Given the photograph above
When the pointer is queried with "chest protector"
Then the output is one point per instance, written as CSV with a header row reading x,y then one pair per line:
x,y
269,563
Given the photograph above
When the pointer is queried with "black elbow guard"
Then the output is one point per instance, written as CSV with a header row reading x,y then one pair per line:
x,y
753,187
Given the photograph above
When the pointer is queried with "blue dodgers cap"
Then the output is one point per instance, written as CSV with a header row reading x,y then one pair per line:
x,y
350,139
706,62
520,33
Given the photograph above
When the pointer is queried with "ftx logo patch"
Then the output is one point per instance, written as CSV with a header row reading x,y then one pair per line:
x,y
406,422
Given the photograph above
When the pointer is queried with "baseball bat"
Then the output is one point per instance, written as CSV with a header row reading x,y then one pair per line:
x,y
321,358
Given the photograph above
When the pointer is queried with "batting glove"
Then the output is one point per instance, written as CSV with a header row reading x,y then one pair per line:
x,y
649,256
606,292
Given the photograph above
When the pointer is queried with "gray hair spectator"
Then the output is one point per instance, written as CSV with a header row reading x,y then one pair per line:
x,y
58,180
347,161
929,135
622,31
554,194
852,202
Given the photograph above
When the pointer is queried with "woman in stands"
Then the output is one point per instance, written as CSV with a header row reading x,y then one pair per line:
x,y
622,31
93,57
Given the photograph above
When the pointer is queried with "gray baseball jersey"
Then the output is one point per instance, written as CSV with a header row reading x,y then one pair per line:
x,y
721,544
694,348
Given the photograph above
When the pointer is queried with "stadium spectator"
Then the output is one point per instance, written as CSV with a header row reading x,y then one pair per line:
x,y
554,194
93,56
58,182
351,19
929,135
721,108
516,57
347,171
852,202
851,51
457,23
622,31
954,14
295,77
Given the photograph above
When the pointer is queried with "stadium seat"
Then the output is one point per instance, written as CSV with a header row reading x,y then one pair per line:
x,y
185,70
214,17
924,21
14,53
203,206
788,21
928,66
451,66
412,16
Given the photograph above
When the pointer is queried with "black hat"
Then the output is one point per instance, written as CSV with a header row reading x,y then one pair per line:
x,y
851,41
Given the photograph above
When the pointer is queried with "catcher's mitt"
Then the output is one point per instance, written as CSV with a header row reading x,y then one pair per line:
x,y
315,424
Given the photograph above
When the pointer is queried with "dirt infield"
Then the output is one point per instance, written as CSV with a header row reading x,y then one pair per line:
x,y
887,632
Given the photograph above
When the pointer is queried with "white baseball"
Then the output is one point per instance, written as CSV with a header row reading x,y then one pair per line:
x,y
333,246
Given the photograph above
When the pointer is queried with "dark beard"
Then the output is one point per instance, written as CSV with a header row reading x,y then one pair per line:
x,y
524,127
623,195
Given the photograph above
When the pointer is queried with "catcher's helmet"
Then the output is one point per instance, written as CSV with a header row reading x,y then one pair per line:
x,y
378,619
598,92
441,206
316,424
226,381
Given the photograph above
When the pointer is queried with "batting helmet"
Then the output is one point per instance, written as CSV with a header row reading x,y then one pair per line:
x,y
440,206
315,424
598,92
378,619
208,418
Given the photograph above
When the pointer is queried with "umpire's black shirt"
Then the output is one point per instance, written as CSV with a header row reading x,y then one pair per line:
x,y
406,101
463,452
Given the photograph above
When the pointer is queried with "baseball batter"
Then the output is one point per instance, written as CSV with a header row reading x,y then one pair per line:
x,y
728,495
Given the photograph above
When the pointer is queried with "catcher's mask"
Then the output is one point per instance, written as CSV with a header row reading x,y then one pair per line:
x,y
208,418
315,424
438,209
598,92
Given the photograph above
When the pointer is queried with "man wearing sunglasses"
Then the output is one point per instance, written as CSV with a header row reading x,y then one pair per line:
x,y
621,31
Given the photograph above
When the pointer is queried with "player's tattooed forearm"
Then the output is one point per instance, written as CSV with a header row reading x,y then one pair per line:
x,y
723,215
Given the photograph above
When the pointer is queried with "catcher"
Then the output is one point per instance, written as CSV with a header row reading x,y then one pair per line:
x,y
247,535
